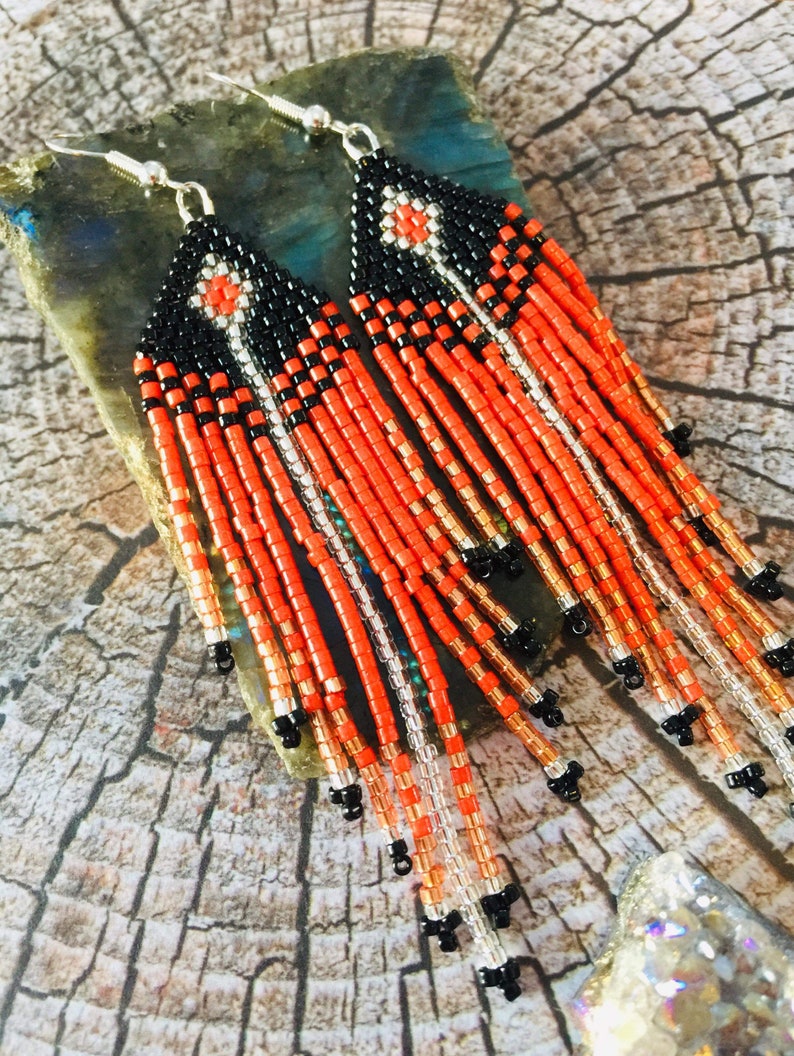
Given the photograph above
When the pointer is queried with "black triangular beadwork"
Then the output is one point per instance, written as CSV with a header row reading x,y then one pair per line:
x,y
278,316
469,225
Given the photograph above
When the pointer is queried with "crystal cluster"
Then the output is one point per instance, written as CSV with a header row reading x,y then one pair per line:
x,y
690,970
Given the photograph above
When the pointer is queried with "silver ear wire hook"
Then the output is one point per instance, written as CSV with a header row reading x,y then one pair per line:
x,y
145,173
314,119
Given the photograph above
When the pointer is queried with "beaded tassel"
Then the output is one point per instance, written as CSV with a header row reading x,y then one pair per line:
x,y
462,292
257,378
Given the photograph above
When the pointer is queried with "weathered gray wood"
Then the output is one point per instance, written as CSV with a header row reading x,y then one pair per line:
x,y
163,888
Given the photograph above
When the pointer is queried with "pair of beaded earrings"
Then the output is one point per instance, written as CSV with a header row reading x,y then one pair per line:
x,y
529,407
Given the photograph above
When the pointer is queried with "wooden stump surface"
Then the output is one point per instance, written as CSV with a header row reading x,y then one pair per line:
x,y
164,888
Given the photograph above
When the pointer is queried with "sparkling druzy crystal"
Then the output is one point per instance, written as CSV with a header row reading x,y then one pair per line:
x,y
690,970
94,249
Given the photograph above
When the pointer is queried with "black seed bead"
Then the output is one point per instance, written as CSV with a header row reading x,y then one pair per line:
x,y
150,403
680,725
532,262
183,408
765,584
313,360
286,394
147,375
225,420
255,431
310,402
567,785
205,418
749,777
296,418
300,377
335,364
349,798
782,660
324,384
629,670
221,654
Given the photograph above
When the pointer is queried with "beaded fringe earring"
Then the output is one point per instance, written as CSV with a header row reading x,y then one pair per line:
x,y
260,410
474,315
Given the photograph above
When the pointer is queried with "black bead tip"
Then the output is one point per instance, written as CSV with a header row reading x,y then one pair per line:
x,y
497,906
504,977
679,438
629,671
765,585
221,656
782,658
444,930
478,560
680,725
522,640
285,728
508,559
749,777
567,786
546,709
577,622
349,799
291,738
400,859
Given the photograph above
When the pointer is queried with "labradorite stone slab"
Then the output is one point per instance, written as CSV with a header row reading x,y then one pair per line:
x,y
93,248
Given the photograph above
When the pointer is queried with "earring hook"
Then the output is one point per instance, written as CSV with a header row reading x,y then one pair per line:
x,y
145,173
314,119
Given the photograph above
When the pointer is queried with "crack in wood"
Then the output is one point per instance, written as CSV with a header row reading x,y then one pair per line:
x,y
72,826
593,93
302,959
